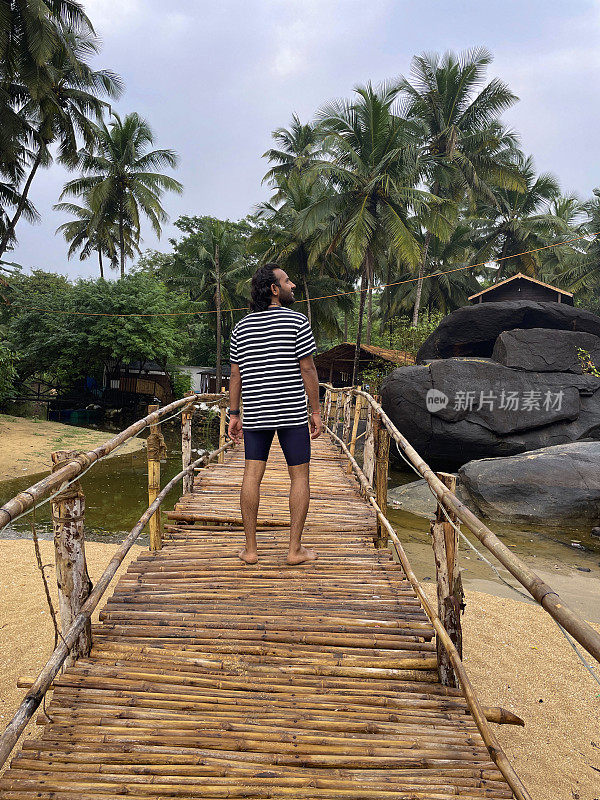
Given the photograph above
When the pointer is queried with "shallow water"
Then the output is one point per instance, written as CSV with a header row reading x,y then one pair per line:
x,y
566,558
116,491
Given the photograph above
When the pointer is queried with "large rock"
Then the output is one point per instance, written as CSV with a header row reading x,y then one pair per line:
x,y
416,498
544,350
491,410
473,330
554,485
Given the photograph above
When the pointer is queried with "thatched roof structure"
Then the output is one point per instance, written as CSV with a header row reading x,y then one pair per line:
x,y
336,364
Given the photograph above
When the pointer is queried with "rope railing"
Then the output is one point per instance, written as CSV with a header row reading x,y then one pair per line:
x,y
540,591
60,480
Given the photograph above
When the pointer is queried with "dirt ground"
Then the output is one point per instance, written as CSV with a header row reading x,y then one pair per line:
x,y
26,444
516,657
514,653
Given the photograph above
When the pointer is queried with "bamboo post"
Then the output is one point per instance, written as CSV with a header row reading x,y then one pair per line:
x,y
186,445
357,407
42,683
326,403
222,424
156,449
347,416
382,454
332,402
444,538
369,448
74,585
339,399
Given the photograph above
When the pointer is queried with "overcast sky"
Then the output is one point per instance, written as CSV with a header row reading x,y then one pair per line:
x,y
214,78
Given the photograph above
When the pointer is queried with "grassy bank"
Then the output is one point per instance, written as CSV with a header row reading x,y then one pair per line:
x,y
26,444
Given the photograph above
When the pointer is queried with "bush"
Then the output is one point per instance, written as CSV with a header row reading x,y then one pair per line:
x,y
8,372
182,383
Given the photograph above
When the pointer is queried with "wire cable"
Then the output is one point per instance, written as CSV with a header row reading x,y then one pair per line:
x,y
312,299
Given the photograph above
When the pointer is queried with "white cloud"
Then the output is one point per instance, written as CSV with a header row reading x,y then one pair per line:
x,y
307,32
109,16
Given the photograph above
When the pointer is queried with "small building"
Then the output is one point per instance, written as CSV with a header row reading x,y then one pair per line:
x,y
204,379
125,382
522,287
335,365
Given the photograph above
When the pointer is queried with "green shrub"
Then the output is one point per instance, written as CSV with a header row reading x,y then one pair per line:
x,y
182,383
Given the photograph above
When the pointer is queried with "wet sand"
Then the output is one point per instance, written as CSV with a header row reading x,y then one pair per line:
x,y
26,444
514,653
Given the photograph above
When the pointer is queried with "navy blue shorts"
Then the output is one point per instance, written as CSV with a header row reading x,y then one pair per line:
x,y
295,443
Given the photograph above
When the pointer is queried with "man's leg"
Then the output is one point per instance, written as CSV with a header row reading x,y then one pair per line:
x,y
299,501
295,443
249,502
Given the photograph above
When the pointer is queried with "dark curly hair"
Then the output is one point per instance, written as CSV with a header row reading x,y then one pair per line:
x,y
262,280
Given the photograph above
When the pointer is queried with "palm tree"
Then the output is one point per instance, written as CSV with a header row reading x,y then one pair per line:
x,y
87,235
119,177
581,267
30,31
286,241
210,264
517,221
443,290
61,109
469,151
372,165
297,147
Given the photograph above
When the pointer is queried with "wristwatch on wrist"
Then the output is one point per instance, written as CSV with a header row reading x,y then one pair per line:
x,y
234,412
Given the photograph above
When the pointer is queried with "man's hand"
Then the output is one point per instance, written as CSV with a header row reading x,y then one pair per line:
x,y
316,424
235,431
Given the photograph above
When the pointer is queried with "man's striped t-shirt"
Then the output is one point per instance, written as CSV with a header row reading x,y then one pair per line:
x,y
267,345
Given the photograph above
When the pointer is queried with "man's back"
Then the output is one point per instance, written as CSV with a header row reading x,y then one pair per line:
x,y
267,346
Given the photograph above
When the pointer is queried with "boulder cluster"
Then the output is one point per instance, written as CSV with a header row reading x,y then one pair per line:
x,y
497,380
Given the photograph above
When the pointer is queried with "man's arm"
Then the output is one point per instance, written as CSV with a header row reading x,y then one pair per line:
x,y
311,385
235,431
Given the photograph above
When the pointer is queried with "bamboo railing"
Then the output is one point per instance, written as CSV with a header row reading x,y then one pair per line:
x,y
28,499
539,590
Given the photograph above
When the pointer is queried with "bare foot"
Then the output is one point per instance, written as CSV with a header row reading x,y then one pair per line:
x,y
248,557
301,555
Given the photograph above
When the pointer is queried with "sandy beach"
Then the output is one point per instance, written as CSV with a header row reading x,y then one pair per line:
x,y
26,444
514,653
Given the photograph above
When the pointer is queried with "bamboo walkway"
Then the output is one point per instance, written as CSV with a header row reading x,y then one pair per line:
x,y
208,679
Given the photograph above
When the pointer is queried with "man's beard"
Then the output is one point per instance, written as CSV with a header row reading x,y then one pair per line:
x,y
287,300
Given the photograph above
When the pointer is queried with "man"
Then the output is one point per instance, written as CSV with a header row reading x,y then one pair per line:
x,y
272,367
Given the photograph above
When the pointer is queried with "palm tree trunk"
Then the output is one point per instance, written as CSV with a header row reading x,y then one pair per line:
x,y
369,311
364,281
389,300
415,316
121,241
100,263
218,306
345,326
8,234
307,296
